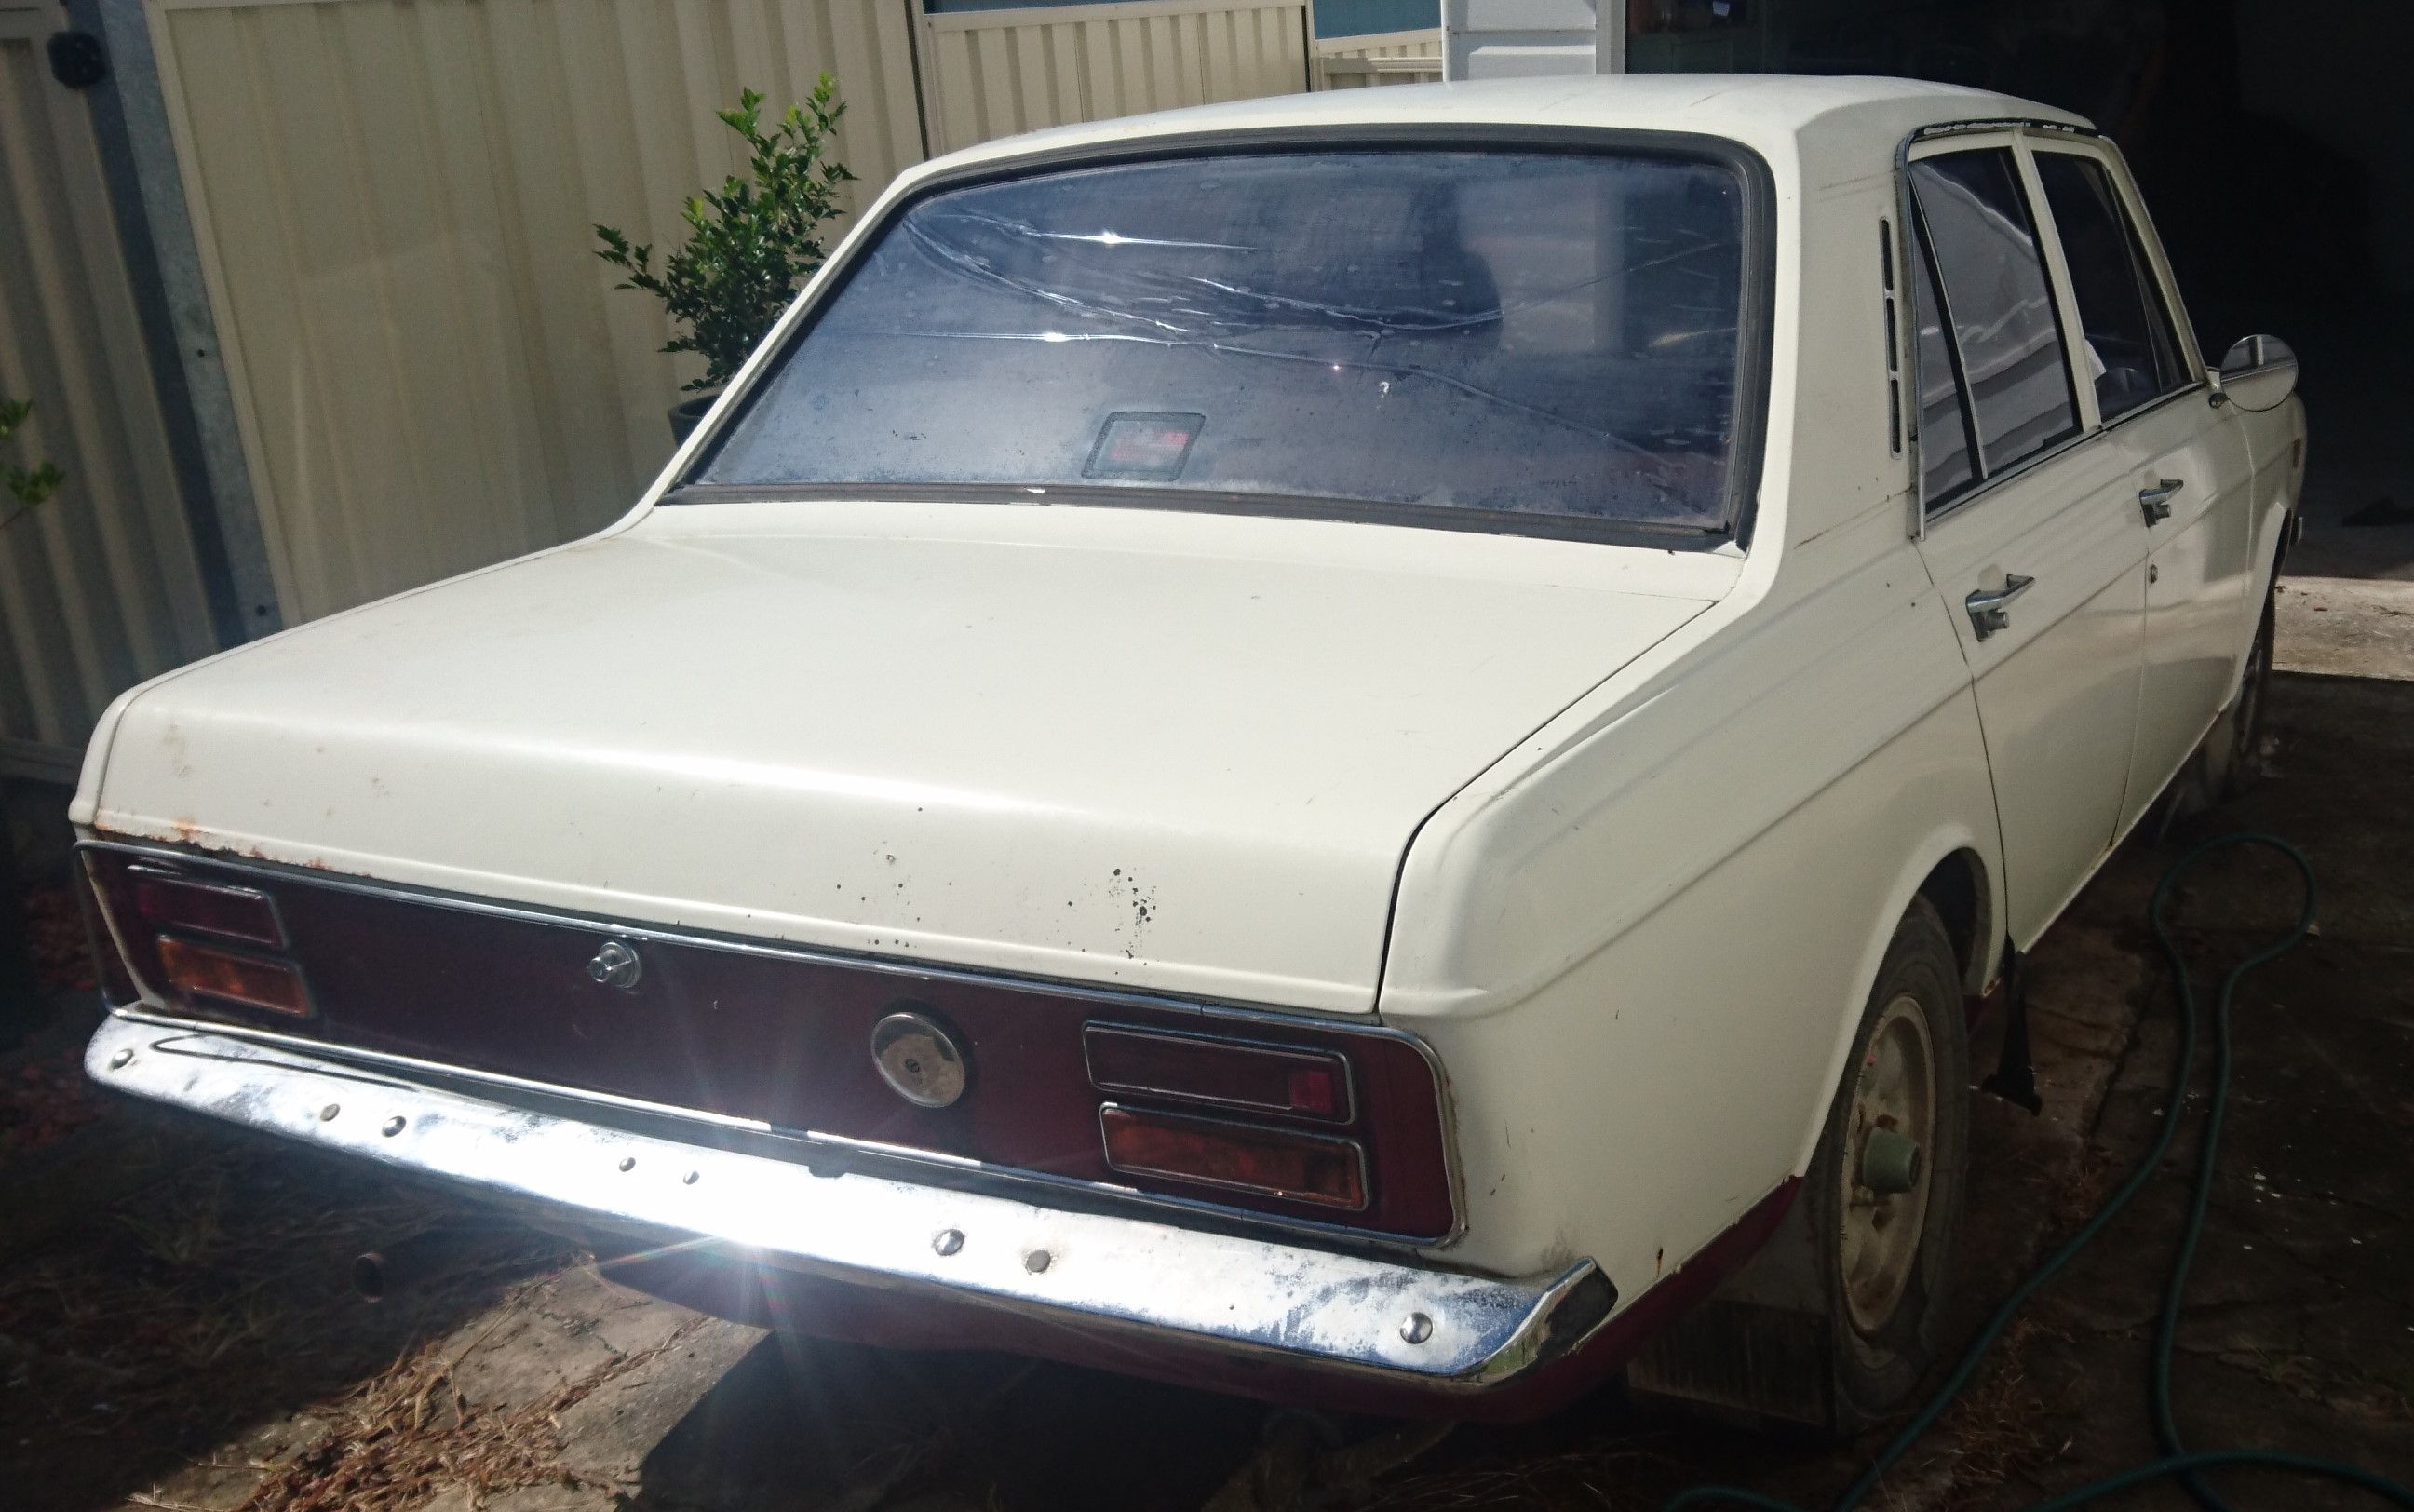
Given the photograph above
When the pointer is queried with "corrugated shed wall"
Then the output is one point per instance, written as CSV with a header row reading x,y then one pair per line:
x,y
396,201
991,73
97,584
1379,58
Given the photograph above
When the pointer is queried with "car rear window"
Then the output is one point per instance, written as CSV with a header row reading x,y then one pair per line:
x,y
1499,334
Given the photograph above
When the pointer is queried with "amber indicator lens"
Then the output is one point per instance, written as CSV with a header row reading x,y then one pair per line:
x,y
1305,1168
232,913
206,971
1310,1082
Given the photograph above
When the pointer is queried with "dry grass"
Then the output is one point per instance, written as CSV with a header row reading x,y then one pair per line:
x,y
410,1432
193,1311
1997,1428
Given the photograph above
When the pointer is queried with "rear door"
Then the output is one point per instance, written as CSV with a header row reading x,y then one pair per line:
x,y
2186,457
2029,523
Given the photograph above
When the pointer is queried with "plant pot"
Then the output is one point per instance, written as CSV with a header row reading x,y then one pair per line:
x,y
689,413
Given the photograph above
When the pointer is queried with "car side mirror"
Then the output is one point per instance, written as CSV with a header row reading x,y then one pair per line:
x,y
2258,373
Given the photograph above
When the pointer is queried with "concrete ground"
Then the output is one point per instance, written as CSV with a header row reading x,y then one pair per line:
x,y
193,1342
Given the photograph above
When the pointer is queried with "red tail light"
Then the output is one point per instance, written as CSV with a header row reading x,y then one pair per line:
x,y
1312,1083
206,971
1276,1162
171,902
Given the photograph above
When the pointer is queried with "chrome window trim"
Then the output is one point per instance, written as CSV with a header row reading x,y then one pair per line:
x,y
166,1014
2016,470
1357,1152
2159,401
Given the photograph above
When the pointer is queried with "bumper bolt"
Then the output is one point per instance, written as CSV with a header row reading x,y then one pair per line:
x,y
327,1114
948,1241
392,1126
628,1162
119,1061
1037,1261
1416,1328
692,1177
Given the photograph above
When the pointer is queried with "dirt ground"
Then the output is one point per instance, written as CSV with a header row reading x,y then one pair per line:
x,y
178,1330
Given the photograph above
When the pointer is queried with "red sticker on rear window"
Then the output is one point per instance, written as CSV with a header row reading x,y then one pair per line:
x,y
1146,444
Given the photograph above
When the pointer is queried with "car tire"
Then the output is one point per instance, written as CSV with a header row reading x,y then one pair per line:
x,y
2230,758
1884,1251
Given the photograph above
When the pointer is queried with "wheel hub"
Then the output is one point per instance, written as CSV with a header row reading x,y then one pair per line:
x,y
1884,1176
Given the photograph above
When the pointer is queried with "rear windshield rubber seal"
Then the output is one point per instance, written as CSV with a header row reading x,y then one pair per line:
x,y
1756,318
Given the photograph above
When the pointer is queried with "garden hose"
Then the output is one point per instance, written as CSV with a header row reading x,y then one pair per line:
x,y
2176,1463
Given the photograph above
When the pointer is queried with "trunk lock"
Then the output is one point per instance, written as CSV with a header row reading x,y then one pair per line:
x,y
617,964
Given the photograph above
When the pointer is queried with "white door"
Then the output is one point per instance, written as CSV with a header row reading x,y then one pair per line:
x,y
2187,458
2030,527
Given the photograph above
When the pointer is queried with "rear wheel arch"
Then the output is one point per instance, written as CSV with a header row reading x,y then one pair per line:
x,y
1952,862
1959,888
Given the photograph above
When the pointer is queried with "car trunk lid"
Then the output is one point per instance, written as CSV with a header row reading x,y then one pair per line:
x,y
1177,752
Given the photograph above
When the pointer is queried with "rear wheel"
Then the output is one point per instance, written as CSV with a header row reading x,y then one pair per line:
x,y
1832,1325
1885,1190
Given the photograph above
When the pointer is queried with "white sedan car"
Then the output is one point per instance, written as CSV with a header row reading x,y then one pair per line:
x,y
1348,747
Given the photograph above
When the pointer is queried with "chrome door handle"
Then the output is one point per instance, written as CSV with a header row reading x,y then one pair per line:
x,y
1990,608
2156,501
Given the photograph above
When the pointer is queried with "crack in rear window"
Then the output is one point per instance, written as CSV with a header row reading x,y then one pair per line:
x,y
1517,333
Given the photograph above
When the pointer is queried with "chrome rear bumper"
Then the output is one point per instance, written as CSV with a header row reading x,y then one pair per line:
x,y
1404,1324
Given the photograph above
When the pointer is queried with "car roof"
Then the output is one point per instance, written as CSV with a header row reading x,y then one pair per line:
x,y
1776,114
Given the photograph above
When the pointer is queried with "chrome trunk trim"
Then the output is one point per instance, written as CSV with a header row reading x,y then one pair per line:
x,y
1310,1307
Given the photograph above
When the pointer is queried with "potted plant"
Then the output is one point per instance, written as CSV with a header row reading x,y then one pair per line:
x,y
751,244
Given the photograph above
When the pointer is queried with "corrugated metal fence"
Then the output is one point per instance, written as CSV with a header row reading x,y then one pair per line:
x,y
97,584
991,73
1379,58
393,205
396,201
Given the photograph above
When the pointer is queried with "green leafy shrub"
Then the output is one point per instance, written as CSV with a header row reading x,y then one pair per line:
x,y
754,242
27,486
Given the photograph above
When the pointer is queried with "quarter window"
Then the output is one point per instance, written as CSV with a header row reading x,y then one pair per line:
x,y
1983,289
2131,352
1944,434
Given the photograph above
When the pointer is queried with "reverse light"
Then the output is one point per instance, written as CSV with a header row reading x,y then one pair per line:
x,y
1262,1078
1275,1162
206,971
172,902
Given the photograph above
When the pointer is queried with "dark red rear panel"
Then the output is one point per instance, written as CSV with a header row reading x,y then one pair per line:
x,y
785,1036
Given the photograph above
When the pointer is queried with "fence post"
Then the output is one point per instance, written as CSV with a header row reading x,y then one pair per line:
x,y
163,268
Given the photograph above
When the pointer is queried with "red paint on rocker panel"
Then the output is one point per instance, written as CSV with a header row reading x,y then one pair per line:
x,y
782,1040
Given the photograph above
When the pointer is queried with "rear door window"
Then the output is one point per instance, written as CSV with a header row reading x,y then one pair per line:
x,y
1984,291
2131,353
